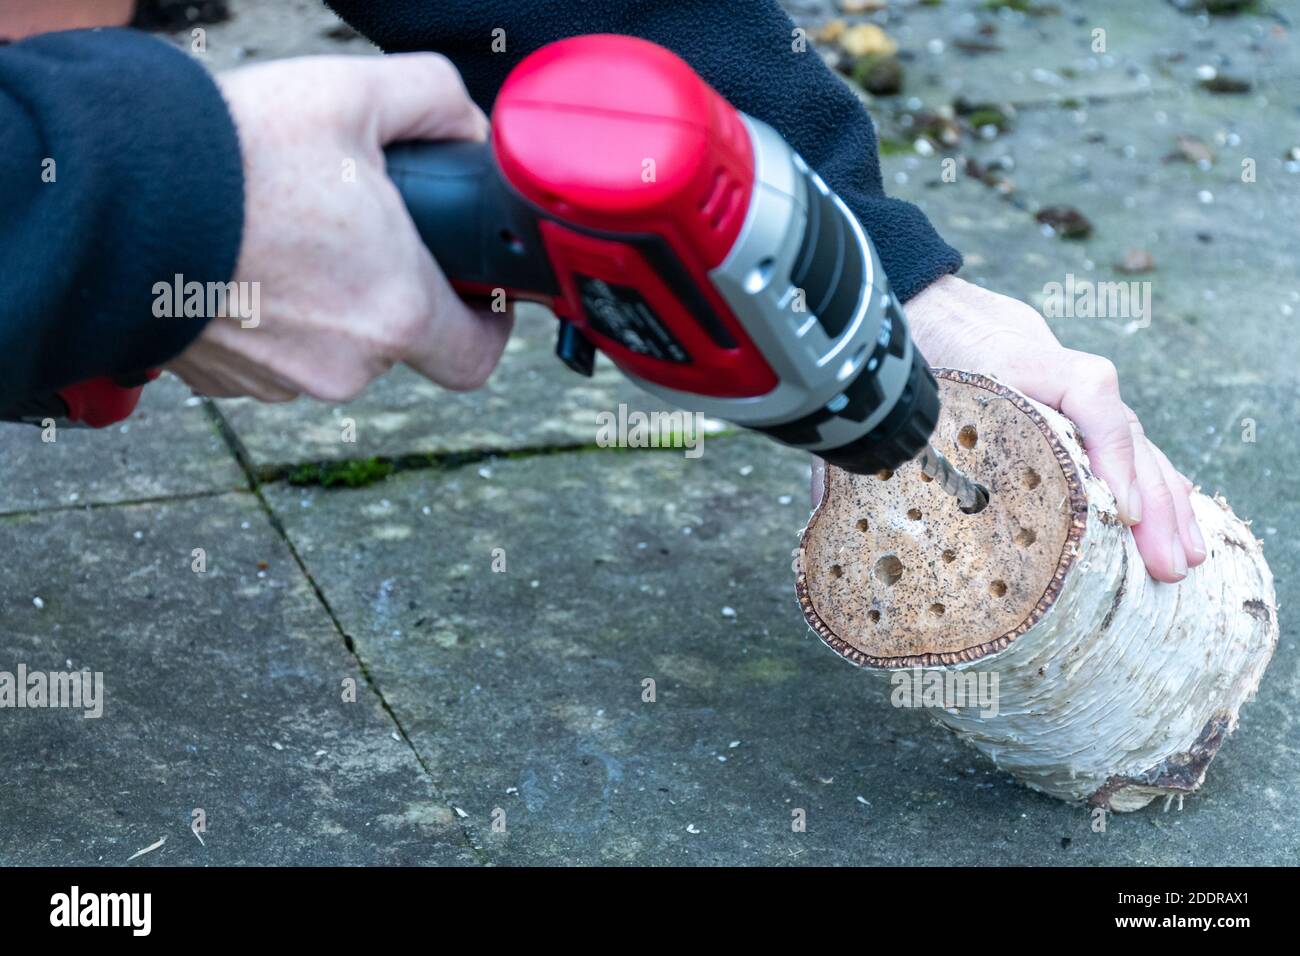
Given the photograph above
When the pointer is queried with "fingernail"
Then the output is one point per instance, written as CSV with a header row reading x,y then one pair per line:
x,y
1198,542
1133,506
1180,557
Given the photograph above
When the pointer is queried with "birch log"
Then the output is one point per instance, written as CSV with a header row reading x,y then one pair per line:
x,y
1112,688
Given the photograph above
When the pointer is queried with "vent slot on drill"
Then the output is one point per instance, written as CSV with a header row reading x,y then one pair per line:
x,y
829,266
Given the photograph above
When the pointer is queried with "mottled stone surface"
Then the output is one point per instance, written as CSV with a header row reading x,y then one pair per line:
x,y
259,31
168,448
522,689
223,692
1068,52
532,400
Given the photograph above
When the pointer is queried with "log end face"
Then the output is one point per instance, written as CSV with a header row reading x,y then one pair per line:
x,y
893,573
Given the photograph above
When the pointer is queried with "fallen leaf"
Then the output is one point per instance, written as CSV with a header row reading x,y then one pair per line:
x,y
1222,83
1192,150
830,31
861,6
1066,221
879,75
867,39
975,45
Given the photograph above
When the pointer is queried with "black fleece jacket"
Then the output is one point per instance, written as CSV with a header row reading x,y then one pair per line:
x,y
119,168
147,180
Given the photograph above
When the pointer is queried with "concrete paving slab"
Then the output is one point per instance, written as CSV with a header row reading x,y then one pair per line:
x,y
1223,278
222,693
531,401
523,688
1221,294
1065,51
168,448
257,31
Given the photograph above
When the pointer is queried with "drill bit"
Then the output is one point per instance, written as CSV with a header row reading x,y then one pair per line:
x,y
970,496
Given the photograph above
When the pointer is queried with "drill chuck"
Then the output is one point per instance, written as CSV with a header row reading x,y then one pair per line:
x,y
904,432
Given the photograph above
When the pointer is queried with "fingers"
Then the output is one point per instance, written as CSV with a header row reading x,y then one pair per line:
x,y
350,287
208,369
1168,536
459,346
210,385
1158,535
420,96
1189,531
1150,494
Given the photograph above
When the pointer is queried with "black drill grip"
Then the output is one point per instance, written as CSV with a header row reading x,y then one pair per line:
x,y
479,230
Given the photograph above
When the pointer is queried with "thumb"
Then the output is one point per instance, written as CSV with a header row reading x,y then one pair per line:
x,y
419,96
818,480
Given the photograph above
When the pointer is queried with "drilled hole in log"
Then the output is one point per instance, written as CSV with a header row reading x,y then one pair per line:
x,y
981,502
873,615
914,514
862,524
1031,479
884,474
888,570
1025,537
837,571
936,610
998,588
924,477
949,556
968,436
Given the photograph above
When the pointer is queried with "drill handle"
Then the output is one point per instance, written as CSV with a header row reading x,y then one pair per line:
x,y
482,234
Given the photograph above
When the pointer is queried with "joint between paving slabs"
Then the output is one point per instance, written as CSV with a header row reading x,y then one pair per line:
x,y
241,456
360,472
123,503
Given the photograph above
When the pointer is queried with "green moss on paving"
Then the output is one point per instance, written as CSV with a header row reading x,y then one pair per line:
x,y
988,117
768,670
1021,6
352,474
360,472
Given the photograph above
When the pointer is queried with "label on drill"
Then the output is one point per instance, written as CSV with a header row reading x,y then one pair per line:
x,y
622,314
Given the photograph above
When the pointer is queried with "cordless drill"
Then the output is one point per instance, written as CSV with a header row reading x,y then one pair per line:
x,y
686,241
683,239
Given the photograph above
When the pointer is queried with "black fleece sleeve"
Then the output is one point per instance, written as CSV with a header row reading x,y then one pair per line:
x,y
743,48
120,168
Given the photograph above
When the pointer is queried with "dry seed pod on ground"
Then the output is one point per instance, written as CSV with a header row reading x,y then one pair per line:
x,y
1111,688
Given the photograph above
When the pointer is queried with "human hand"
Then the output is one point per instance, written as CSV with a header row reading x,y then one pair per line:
x,y
346,287
959,325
